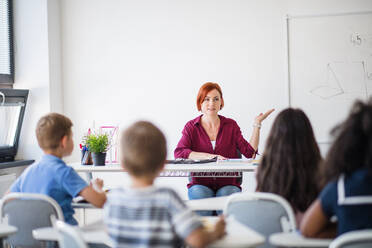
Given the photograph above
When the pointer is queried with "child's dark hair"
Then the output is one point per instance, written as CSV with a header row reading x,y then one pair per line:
x,y
143,149
290,161
50,130
352,147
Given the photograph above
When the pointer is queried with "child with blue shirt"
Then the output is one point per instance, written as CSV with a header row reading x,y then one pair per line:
x,y
51,176
348,171
143,215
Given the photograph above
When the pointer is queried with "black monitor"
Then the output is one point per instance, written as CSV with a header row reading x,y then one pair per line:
x,y
12,109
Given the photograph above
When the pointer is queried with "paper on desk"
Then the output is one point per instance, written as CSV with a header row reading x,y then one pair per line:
x,y
97,225
238,161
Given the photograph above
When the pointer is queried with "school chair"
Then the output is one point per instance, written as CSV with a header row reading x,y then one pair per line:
x,y
69,236
27,212
354,239
265,213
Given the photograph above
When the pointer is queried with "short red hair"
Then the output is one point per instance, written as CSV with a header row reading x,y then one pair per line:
x,y
204,90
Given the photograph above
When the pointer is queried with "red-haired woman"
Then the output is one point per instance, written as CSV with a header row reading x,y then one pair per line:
x,y
210,135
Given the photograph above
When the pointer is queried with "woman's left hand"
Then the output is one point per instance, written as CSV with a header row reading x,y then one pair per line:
x,y
259,118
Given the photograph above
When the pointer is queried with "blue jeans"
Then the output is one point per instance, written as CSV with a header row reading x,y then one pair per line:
x,y
201,191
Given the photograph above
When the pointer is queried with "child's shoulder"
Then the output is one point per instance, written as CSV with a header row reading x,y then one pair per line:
x,y
364,174
166,190
152,191
51,162
47,166
115,191
169,194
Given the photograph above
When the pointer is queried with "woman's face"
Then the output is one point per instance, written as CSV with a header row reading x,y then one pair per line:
x,y
211,103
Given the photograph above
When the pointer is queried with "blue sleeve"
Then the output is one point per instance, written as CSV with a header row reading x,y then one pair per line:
x,y
16,186
72,182
328,199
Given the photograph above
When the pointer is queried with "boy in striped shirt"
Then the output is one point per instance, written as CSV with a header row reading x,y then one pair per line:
x,y
144,215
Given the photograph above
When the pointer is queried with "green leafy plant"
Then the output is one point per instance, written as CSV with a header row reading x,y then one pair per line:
x,y
97,143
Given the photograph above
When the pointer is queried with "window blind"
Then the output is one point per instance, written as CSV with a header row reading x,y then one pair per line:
x,y
6,49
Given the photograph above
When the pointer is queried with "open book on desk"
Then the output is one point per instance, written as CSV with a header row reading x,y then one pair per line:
x,y
79,199
191,161
215,161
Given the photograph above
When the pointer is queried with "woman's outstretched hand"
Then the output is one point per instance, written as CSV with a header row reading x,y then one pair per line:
x,y
259,118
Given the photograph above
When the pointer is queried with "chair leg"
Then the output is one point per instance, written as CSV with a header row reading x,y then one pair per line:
x,y
49,244
5,244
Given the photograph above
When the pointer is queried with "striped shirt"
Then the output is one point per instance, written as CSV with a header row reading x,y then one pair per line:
x,y
148,217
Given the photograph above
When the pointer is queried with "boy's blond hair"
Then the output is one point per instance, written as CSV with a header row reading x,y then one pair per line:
x,y
50,130
143,149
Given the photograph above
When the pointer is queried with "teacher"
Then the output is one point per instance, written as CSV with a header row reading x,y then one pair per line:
x,y
210,135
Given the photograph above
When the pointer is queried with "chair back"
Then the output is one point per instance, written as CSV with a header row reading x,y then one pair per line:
x,y
69,236
265,213
354,239
27,212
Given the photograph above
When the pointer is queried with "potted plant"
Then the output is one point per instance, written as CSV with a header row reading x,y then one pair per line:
x,y
97,144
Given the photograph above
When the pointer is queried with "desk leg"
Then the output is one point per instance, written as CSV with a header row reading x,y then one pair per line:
x,y
84,217
89,176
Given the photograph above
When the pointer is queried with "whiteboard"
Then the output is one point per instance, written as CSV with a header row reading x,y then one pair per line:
x,y
329,66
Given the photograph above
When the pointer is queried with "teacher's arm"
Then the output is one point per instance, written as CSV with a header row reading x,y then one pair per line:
x,y
255,138
183,148
204,155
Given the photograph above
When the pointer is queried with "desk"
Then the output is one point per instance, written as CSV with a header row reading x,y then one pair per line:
x,y
215,169
295,239
5,231
93,233
15,163
209,167
215,203
237,235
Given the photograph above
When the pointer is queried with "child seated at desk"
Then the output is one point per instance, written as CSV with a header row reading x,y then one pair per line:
x,y
290,162
144,215
348,171
51,176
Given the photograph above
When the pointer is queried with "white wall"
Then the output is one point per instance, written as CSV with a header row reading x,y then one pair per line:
x,y
55,56
303,7
37,65
31,68
128,60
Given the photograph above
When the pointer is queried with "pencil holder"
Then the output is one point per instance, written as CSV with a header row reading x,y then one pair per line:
x,y
86,157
